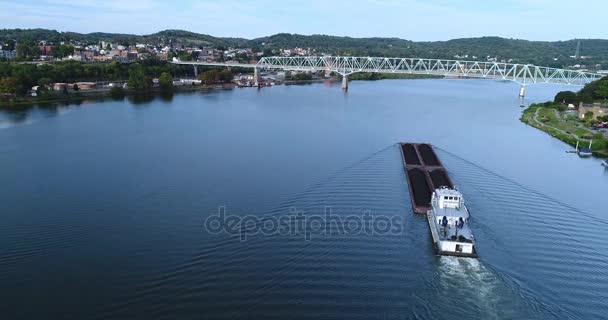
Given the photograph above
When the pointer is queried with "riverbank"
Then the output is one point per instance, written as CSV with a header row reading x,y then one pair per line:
x,y
386,76
549,118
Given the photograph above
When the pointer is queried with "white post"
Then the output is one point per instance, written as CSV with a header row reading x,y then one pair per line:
x,y
256,77
522,91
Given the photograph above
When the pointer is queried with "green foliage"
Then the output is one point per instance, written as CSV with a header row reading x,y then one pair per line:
x,y
565,97
594,91
63,51
27,50
588,115
117,92
9,86
28,75
139,81
9,45
300,76
215,76
185,56
165,82
44,81
521,51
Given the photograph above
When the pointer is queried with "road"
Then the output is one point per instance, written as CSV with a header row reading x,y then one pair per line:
x,y
535,118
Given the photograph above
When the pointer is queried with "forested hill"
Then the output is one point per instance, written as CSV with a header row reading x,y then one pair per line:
x,y
556,54
177,36
521,51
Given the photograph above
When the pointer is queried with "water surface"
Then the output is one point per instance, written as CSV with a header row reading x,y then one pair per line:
x,y
104,206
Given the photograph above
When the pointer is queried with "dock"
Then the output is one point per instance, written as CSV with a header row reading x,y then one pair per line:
x,y
424,173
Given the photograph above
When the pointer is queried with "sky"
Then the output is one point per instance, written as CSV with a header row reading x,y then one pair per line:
x,y
418,20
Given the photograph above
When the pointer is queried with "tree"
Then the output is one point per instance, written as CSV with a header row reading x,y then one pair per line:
x,y
209,77
184,56
75,87
9,86
44,81
138,80
226,75
166,82
27,50
63,51
588,115
10,45
565,97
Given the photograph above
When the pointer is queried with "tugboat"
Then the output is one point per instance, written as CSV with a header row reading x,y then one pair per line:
x,y
449,223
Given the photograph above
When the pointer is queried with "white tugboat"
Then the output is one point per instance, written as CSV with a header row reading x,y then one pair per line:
x,y
449,223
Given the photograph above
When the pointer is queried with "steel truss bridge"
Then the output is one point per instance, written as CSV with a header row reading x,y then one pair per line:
x,y
522,74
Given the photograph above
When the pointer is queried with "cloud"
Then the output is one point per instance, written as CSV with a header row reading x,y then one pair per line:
x,y
409,19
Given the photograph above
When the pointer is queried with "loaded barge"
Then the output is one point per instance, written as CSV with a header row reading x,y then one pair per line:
x,y
433,193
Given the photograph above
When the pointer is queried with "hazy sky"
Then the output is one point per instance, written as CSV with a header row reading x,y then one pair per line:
x,y
408,19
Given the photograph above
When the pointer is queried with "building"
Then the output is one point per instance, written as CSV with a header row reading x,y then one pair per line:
x,y
598,110
46,50
8,54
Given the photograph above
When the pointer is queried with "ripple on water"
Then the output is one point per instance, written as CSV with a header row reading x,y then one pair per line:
x,y
388,276
552,250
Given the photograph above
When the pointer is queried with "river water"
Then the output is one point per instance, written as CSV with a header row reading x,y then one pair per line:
x,y
105,204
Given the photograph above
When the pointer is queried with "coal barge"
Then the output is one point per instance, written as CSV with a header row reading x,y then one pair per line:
x,y
432,192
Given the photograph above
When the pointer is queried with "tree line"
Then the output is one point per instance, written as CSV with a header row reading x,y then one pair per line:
x,y
596,91
18,79
544,53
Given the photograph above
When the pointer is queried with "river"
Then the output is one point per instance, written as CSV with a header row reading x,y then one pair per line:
x,y
105,204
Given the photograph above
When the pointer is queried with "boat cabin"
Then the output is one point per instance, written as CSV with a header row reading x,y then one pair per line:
x,y
451,220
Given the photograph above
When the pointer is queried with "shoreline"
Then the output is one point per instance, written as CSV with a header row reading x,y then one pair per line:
x,y
104,94
530,117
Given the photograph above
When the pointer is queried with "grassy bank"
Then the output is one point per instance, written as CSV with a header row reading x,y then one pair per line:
x,y
549,118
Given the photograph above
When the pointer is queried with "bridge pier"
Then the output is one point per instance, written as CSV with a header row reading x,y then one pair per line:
x,y
522,91
345,82
256,77
195,70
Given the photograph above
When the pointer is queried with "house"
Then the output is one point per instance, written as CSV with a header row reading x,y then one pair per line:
x,y
598,110
46,50
8,54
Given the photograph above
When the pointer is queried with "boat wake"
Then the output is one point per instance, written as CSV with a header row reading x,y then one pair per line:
x,y
470,282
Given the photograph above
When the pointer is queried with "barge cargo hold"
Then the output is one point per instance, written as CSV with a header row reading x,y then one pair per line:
x,y
432,193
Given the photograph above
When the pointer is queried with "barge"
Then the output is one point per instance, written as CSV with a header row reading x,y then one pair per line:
x,y
432,192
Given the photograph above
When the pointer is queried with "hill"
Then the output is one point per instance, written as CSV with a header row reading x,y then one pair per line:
x,y
546,53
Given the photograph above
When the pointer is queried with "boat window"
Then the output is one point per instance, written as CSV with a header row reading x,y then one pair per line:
x,y
456,198
445,197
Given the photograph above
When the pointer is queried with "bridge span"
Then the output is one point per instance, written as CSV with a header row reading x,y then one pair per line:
x,y
523,74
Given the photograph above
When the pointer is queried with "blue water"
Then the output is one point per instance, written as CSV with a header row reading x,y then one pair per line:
x,y
105,203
